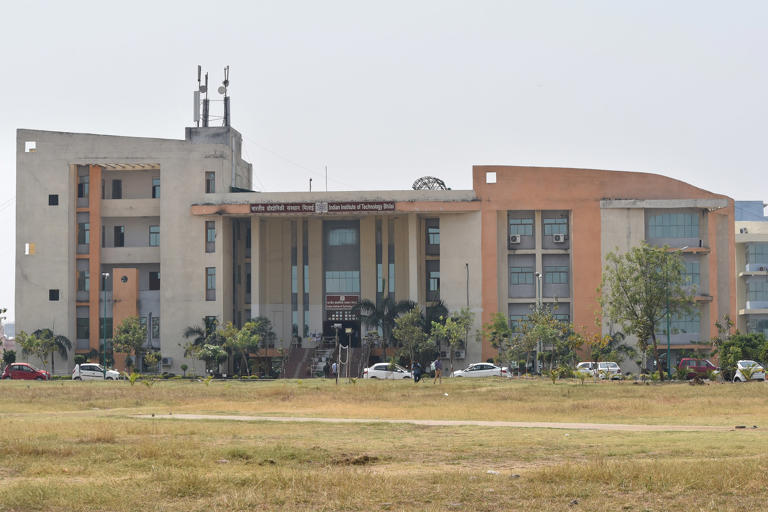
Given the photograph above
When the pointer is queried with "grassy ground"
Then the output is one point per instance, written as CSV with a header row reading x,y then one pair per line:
x,y
79,446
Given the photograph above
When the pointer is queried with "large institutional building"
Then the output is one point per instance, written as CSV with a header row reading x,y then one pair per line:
x,y
182,237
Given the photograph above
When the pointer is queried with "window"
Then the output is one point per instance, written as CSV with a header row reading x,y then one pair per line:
x,y
210,324
83,328
210,236
117,189
155,327
692,274
520,276
342,281
83,233
119,236
557,226
757,253
210,283
53,199
103,236
673,225
155,188
433,234
522,227
681,323
433,280
556,275
82,186
516,322
53,294
154,236
83,281
342,236
210,182
154,280
105,326
757,290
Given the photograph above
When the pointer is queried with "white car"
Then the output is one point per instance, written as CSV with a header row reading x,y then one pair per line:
x,y
483,370
748,370
603,369
93,371
386,371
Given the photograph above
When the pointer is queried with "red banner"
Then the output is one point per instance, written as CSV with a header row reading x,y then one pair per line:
x,y
341,302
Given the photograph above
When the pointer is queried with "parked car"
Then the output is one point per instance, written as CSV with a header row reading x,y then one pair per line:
x,y
483,370
602,369
24,371
748,370
386,371
93,371
696,367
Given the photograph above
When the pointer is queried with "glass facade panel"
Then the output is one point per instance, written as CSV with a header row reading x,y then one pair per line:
x,y
556,226
523,227
681,323
83,328
757,290
342,281
433,280
520,276
556,275
155,188
757,253
210,283
342,236
83,281
210,236
154,236
673,225
84,233
692,274
210,182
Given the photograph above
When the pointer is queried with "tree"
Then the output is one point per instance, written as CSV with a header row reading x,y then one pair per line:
x,y
212,355
500,335
640,287
383,315
542,326
54,343
242,341
9,357
453,331
409,332
33,345
730,348
151,358
130,336
263,328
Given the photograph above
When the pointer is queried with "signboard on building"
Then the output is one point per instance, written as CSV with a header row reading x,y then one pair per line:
x,y
323,207
341,302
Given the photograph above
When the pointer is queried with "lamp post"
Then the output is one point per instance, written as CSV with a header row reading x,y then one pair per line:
x,y
104,277
539,300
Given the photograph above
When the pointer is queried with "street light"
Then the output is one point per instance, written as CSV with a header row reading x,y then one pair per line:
x,y
539,300
104,277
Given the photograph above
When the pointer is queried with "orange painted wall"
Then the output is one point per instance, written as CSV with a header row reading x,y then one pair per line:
x,y
94,256
125,294
580,191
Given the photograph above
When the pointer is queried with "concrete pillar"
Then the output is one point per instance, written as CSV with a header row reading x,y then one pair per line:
x,y
256,261
300,274
315,275
413,257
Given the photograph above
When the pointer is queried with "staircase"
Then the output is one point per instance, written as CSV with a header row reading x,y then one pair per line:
x,y
297,363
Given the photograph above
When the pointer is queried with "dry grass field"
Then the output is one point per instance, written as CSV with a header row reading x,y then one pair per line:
x,y
82,446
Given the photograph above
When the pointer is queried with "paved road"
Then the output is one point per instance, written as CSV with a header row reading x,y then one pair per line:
x,y
453,423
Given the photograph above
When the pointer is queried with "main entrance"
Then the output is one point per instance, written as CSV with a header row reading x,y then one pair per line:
x,y
351,338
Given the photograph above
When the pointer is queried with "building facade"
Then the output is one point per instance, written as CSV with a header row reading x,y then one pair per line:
x,y
138,209
752,267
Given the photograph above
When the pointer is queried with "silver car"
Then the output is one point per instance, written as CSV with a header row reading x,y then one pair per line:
x,y
93,371
386,371
482,370
748,370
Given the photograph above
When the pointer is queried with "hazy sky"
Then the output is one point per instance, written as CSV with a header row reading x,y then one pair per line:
x,y
385,92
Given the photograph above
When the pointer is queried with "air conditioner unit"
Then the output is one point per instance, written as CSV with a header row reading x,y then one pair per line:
x,y
166,361
559,238
460,354
514,239
443,354
762,269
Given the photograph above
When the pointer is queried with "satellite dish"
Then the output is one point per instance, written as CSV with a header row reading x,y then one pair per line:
x,y
222,89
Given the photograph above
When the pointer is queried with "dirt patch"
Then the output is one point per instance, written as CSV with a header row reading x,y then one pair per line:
x,y
355,460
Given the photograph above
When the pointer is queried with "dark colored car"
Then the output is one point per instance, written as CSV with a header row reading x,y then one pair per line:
x,y
24,371
696,367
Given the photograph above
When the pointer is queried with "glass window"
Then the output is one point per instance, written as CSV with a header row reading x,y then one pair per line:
x,y
757,290
154,236
516,322
210,236
210,283
520,276
681,323
53,294
210,182
155,188
523,227
433,233
82,186
155,327
342,281
117,189
53,199
557,226
673,225
83,281
692,274
84,233
433,280
83,328
342,236
154,280
556,275
119,236
757,253
108,328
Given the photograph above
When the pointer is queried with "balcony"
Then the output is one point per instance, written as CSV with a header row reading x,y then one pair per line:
x,y
132,255
130,208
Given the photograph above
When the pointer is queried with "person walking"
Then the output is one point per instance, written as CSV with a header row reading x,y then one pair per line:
x,y
334,368
416,372
326,369
438,370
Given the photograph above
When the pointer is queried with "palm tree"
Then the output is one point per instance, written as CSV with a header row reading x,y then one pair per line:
x,y
58,342
205,334
383,315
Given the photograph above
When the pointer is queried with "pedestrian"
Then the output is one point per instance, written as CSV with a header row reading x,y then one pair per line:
x,y
326,369
334,367
416,372
438,367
